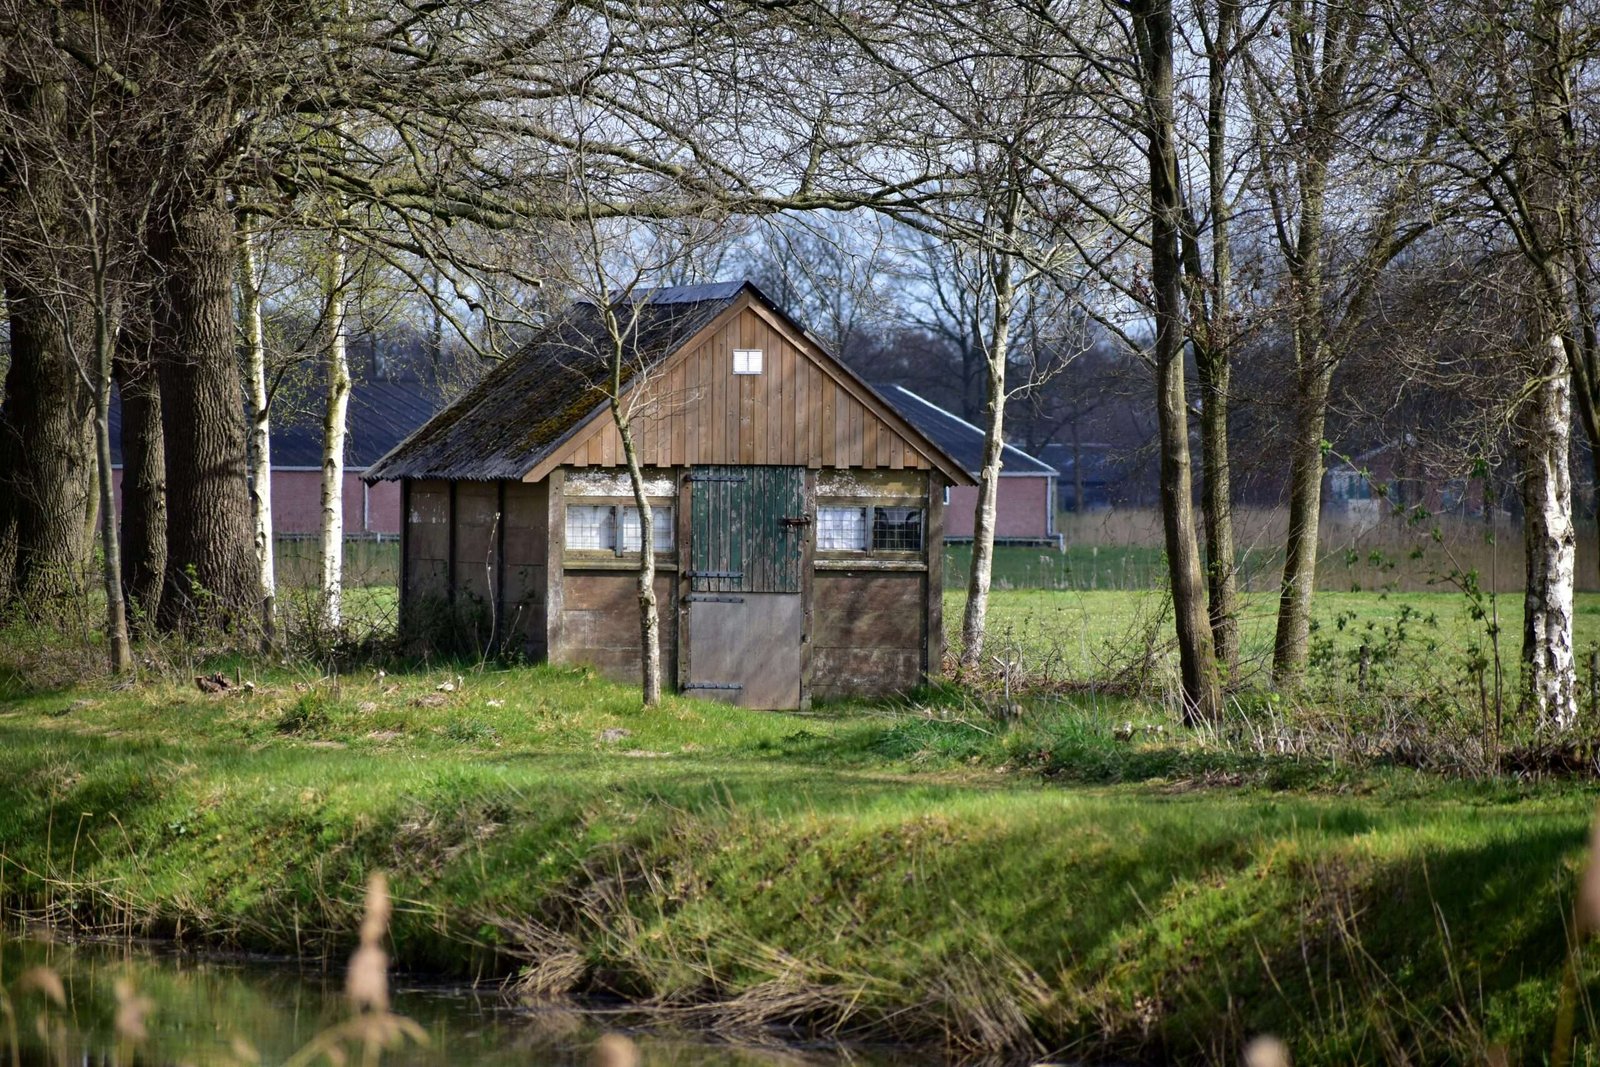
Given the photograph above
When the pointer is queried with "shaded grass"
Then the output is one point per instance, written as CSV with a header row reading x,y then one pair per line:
x,y
898,869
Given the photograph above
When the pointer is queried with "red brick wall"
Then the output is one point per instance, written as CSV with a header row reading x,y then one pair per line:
x,y
297,504
1022,509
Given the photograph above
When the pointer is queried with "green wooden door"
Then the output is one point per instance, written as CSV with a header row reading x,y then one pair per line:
x,y
747,529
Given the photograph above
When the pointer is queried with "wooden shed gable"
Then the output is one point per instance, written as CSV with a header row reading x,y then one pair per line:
x,y
801,410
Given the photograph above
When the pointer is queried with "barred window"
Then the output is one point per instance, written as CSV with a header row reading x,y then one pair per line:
x,y
592,526
897,529
841,529
660,525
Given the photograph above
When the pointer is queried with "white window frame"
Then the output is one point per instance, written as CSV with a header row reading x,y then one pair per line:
x,y
661,522
861,525
617,535
748,360
601,518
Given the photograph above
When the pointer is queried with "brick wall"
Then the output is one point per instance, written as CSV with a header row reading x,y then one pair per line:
x,y
1022,509
297,504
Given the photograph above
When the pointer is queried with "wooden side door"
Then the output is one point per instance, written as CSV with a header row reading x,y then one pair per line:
x,y
746,618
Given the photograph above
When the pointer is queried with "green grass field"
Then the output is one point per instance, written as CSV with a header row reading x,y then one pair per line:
x,y
916,870
1420,638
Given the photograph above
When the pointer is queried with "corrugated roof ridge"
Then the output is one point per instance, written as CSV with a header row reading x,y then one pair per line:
x,y
953,417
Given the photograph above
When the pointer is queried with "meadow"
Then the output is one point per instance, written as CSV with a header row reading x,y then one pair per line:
x,y
1037,859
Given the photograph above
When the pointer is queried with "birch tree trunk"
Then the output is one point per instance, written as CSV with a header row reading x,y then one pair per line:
x,y
259,430
974,621
1544,429
333,438
649,613
1202,691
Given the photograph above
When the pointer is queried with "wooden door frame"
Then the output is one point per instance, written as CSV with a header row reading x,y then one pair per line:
x,y
808,543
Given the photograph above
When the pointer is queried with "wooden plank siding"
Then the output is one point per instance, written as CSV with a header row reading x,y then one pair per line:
x,y
427,541
869,634
524,549
599,623
695,410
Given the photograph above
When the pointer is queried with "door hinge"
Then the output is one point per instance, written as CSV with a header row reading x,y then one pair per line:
x,y
691,477
714,685
792,520
711,598
716,574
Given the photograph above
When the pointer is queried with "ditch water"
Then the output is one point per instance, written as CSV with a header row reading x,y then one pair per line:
x,y
217,1009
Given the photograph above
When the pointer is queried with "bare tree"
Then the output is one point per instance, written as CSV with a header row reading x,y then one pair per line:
x,y
84,269
1513,90
1153,34
46,453
1218,33
1327,106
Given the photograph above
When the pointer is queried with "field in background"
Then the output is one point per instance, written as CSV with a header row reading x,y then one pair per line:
x,y
1427,641
366,562
1123,549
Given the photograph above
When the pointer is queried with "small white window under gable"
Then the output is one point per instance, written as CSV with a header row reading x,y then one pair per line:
x,y
747,361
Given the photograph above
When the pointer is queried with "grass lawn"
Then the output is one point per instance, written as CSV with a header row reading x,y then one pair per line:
x,y
914,870
1418,638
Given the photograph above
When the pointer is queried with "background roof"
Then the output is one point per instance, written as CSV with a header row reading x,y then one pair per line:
x,y
382,413
958,437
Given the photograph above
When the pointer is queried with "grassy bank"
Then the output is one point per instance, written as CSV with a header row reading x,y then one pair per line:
x,y
913,871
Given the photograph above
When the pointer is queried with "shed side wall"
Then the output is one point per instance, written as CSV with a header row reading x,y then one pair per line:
x,y
427,543
870,636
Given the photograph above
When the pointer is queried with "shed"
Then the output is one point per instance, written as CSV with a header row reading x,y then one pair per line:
x,y
1025,502
798,518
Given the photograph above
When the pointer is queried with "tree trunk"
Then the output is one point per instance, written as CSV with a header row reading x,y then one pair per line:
x,y
1292,642
46,416
974,620
104,355
1077,469
649,615
1216,508
258,405
9,461
48,479
1202,692
211,576
144,469
1214,351
1544,436
333,437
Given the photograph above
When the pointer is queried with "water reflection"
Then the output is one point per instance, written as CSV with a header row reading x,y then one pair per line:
x,y
214,1010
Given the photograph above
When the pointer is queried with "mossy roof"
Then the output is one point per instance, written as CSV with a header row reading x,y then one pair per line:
x,y
529,405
